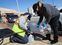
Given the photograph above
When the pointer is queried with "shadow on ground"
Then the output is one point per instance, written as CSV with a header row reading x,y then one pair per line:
x,y
5,32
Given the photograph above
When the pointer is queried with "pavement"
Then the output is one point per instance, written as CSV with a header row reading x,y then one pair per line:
x,y
35,42
6,40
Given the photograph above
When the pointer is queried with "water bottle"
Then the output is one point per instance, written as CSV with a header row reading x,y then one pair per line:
x,y
41,28
31,38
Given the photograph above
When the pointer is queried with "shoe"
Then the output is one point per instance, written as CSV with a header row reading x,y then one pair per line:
x,y
53,42
46,39
11,40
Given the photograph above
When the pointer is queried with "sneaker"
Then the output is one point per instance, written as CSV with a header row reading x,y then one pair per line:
x,y
53,42
11,40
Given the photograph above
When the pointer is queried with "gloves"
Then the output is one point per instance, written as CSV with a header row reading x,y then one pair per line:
x,y
38,25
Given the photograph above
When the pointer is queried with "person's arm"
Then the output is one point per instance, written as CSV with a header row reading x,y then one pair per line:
x,y
22,23
40,20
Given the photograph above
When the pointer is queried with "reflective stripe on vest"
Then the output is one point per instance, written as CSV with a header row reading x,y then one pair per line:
x,y
18,30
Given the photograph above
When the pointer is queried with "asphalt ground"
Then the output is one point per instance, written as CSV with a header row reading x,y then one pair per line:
x,y
6,40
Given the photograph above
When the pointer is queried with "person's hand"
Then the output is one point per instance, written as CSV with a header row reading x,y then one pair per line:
x,y
30,33
38,25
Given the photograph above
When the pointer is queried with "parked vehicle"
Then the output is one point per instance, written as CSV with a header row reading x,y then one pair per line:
x,y
60,25
11,18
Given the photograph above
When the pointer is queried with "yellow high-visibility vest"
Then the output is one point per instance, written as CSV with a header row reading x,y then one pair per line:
x,y
18,30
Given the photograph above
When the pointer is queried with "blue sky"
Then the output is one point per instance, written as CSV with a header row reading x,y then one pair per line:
x,y
24,4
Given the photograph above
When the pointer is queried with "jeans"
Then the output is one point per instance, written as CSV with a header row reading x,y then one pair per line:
x,y
54,23
19,39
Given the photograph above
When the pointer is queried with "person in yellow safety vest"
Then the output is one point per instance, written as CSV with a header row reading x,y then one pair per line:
x,y
20,29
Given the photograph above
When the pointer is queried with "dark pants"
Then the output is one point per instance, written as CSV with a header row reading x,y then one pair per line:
x,y
37,35
54,23
19,39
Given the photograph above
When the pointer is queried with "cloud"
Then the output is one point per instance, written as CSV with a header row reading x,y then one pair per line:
x,y
59,8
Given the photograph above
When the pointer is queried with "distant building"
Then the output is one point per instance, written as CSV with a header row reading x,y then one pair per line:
x,y
30,10
3,11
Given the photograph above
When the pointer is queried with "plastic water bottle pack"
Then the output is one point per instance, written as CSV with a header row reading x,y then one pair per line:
x,y
41,30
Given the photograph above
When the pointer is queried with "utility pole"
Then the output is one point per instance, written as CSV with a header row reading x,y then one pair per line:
x,y
41,0
17,6
53,3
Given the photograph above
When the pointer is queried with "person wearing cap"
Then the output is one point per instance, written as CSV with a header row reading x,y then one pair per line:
x,y
51,14
20,29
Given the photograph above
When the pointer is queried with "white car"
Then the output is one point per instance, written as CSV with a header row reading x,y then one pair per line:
x,y
60,25
60,18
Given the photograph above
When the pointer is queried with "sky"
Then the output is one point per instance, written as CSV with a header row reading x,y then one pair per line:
x,y
24,4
